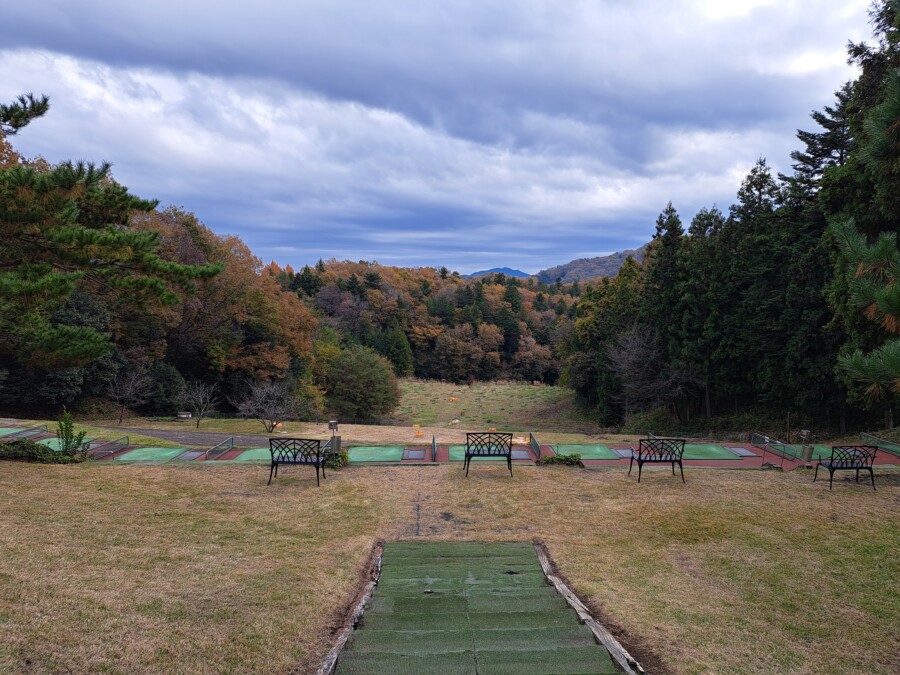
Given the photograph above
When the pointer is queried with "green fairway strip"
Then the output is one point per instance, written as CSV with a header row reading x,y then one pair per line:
x,y
707,451
467,607
54,444
376,453
150,455
254,455
5,431
586,451
458,454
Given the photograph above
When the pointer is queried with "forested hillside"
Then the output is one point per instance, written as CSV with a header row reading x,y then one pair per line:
x,y
584,269
436,324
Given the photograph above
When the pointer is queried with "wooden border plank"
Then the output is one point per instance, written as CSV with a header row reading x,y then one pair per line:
x,y
601,634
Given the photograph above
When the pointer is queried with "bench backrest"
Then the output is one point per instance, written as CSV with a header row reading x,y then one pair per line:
x,y
853,456
489,444
296,450
660,449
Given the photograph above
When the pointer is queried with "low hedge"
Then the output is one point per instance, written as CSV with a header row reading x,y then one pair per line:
x,y
24,450
566,460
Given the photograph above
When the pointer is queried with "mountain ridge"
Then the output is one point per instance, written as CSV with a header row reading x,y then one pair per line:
x,y
583,269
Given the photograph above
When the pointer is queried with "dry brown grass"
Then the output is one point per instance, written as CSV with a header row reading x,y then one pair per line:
x,y
205,569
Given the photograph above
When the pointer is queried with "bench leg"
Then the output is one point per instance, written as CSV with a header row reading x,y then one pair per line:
x,y
317,475
857,475
816,474
630,463
681,467
509,463
640,467
872,476
271,470
830,477
466,462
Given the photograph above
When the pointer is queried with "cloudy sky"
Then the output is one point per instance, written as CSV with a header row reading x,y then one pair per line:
x,y
466,133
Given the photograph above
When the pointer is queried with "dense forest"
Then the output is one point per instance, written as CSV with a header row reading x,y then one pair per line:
x,y
787,301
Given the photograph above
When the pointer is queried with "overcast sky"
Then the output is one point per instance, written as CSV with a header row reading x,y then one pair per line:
x,y
470,134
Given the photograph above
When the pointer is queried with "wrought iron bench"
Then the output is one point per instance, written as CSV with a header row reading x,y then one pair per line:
x,y
307,451
659,451
488,444
849,458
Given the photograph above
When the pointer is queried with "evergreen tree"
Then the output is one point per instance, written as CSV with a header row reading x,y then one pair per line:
x,y
65,228
662,280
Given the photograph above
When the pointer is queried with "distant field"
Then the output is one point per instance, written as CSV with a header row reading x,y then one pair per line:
x,y
513,406
187,569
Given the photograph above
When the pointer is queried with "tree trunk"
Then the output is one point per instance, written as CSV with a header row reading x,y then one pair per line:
x,y
889,416
122,413
706,401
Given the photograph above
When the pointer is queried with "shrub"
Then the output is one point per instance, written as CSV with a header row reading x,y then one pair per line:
x,y
69,442
566,460
335,460
25,450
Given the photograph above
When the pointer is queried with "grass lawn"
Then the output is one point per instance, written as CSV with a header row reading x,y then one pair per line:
x,y
125,569
513,406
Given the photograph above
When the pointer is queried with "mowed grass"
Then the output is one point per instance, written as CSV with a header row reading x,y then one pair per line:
x,y
206,569
513,406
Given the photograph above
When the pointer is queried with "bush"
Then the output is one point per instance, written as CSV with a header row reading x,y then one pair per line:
x,y
335,460
566,460
25,450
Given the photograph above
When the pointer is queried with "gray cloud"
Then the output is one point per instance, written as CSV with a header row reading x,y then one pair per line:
x,y
464,133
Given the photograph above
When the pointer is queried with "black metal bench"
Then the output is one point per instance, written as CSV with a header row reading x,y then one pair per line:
x,y
658,451
849,458
488,444
307,451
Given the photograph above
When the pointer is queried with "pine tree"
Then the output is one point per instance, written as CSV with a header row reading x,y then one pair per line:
x,y
64,228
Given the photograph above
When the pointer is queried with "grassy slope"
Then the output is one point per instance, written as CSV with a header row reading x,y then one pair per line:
x,y
205,569
513,406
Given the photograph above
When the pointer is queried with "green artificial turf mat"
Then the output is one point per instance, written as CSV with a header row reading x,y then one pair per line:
x,y
5,431
819,451
439,607
376,453
353,663
586,451
411,642
254,455
54,444
707,451
528,639
569,661
458,454
149,455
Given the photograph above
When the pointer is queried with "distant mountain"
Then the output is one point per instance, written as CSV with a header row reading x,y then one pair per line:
x,y
590,268
500,270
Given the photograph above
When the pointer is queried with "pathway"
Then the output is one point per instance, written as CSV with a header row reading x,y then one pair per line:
x,y
449,607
